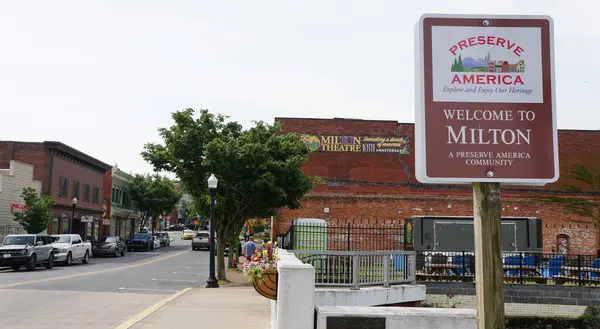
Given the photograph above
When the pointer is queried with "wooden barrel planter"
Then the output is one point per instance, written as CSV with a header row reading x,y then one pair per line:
x,y
267,287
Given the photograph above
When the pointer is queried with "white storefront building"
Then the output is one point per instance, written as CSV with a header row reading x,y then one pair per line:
x,y
12,182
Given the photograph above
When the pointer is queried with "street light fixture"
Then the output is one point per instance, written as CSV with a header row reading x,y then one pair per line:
x,y
72,216
212,191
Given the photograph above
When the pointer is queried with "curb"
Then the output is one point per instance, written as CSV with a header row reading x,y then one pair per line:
x,y
147,312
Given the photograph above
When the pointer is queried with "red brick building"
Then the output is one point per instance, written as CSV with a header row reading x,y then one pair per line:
x,y
65,173
381,187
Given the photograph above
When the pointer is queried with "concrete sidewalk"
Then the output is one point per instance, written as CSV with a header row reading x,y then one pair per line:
x,y
226,307
234,305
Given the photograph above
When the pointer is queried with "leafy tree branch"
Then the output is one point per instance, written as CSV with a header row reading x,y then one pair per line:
x,y
37,215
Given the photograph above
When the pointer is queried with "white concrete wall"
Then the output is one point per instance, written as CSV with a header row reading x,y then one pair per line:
x,y
11,187
294,307
405,317
297,297
369,296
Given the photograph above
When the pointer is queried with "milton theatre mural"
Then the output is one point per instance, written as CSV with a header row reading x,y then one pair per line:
x,y
357,144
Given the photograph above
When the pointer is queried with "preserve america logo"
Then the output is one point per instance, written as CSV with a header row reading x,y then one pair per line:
x,y
493,65
487,70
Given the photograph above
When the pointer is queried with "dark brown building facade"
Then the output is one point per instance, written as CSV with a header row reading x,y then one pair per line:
x,y
66,174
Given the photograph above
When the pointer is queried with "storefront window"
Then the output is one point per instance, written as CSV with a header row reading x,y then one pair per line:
x,y
55,226
113,227
88,231
96,229
65,226
125,228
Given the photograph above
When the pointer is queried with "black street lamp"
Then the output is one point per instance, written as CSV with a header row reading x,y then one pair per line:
x,y
72,216
212,190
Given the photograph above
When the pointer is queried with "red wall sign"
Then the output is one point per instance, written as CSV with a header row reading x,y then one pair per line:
x,y
485,100
18,208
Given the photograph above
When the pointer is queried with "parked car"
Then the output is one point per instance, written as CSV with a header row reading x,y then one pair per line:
x,y
201,241
110,246
30,250
141,241
70,247
187,235
164,238
176,227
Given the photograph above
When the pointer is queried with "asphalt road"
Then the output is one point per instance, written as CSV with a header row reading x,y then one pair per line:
x,y
101,294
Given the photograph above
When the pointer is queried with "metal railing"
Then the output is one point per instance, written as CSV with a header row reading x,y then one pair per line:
x,y
360,268
518,267
347,237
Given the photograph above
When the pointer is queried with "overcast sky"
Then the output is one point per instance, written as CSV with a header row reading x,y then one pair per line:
x,y
101,76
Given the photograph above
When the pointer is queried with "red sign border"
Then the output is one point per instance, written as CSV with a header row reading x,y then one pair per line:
x,y
421,92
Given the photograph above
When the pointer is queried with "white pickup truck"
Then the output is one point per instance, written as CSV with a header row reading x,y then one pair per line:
x,y
70,247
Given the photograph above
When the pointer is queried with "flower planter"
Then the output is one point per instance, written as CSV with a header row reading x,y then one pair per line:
x,y
267,287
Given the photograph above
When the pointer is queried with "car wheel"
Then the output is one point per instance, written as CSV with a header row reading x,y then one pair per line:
x,y
32,263
86,257
16,267
50,263
69,260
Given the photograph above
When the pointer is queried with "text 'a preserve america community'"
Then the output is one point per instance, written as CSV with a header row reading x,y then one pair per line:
x,y
464,134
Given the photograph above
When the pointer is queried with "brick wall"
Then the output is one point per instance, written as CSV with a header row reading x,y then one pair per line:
x,y
527,294
107,201
31,153
368,188
75,172
392,209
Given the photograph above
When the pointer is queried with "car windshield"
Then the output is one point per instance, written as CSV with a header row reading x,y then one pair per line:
x,y
109,239
140,235
19,240
62,239
202,235
188,231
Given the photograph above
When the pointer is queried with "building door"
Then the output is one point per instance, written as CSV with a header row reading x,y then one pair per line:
x,y
509,236
453,236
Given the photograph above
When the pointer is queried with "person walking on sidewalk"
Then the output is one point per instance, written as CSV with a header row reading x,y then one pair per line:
x,y
249,249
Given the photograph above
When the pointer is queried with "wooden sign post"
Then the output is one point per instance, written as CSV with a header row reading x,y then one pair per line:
x,y
485,115
488,255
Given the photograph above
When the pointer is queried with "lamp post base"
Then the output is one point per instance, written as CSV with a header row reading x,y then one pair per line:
x,y
212,283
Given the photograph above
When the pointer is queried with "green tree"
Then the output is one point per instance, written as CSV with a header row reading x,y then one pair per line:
x,y
459,64
153,196
259,170
197,209
183,210
36,217
587,206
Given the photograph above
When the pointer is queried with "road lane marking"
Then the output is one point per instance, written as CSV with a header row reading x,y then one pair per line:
x,y
145,313
70,276
142,289
169,280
